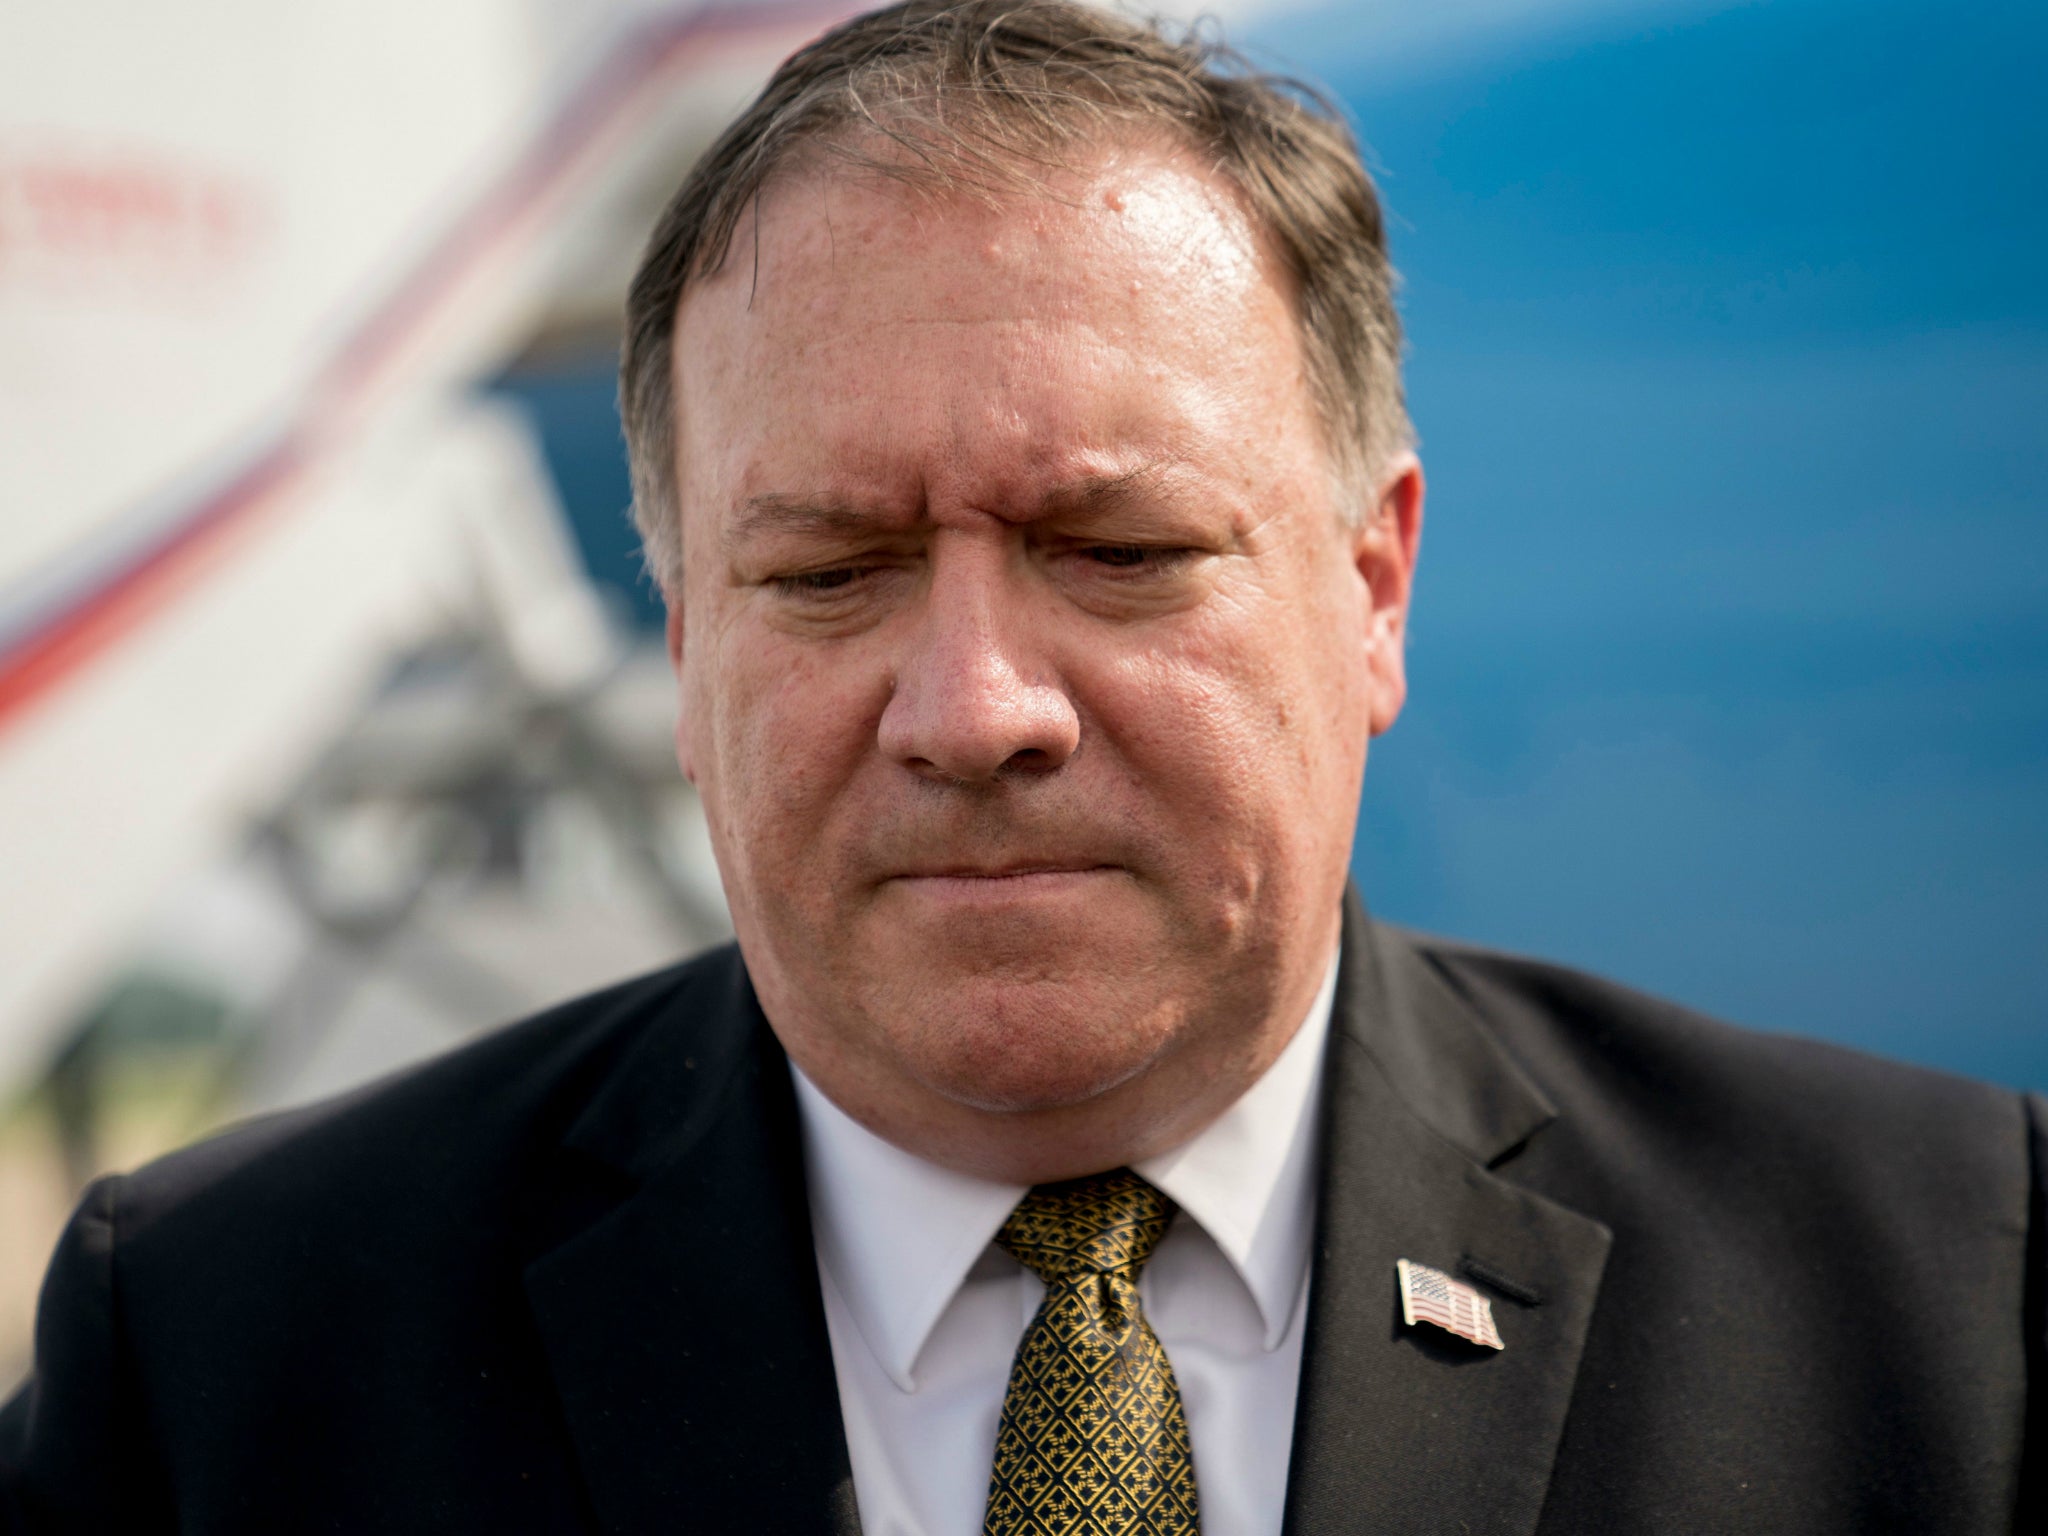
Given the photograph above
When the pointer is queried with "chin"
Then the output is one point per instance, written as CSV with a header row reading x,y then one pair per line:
x,y
1015,1046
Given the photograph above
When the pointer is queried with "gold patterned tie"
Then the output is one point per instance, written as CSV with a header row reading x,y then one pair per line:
x,y
1093,1440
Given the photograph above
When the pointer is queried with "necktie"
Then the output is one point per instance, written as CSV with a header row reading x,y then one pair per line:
x,y
1093,1440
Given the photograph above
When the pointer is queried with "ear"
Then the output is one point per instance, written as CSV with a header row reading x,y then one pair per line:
x,y
1384,549
685,743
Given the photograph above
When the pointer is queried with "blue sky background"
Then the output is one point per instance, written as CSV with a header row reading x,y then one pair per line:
x,y
1730,358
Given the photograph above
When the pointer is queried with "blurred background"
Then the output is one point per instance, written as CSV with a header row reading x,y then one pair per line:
x,y
333,717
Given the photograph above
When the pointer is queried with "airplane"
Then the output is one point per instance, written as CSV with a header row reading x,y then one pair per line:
x,y
254,262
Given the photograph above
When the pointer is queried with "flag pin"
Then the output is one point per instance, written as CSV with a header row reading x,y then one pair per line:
x,y
1431,1296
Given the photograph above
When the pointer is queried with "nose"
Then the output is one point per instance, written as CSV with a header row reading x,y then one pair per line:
x,y
971,701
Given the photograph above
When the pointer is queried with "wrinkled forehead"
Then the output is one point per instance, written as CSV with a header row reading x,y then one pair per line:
x,y
850,281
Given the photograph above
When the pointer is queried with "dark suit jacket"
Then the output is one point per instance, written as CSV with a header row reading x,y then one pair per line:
x,y
562,1280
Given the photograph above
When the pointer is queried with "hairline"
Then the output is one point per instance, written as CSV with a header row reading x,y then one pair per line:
x,y
942,133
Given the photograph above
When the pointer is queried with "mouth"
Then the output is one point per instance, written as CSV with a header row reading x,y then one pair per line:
x,y
969,882
1022,869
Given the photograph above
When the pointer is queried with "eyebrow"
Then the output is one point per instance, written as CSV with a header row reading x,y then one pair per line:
x,y
775,512
781,512
1106,493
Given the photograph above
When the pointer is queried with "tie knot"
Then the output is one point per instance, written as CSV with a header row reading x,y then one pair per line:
x,y
1105,1223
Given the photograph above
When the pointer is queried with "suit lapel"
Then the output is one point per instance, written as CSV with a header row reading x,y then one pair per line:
x,y
1402,1429
676,1290
679,1305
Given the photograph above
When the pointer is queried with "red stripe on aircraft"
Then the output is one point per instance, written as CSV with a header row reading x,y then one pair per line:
x,y
169,565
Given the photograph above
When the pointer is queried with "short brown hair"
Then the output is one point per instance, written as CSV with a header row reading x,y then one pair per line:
x,y
977,95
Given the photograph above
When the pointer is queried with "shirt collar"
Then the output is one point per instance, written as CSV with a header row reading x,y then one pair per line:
x,y
897,1234
894,1233
1249,1179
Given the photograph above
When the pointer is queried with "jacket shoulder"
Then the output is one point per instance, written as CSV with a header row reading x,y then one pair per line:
x,y
439,1133
1694,1096
1826,1274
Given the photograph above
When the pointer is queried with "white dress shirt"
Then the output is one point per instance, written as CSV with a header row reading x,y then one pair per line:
x,y
925,1313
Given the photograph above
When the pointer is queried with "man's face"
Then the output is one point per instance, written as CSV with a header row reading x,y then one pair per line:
x,y
1027,660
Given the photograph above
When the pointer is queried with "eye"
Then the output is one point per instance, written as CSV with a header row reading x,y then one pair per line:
x,y
1121,555
814,583
1137,559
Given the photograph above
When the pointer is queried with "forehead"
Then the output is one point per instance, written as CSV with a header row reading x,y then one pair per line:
x,y
855,320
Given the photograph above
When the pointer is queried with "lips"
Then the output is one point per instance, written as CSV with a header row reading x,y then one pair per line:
x,y
1020,870
990,845
979,886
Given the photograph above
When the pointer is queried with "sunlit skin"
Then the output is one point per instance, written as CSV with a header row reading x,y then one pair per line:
x,y
1027,658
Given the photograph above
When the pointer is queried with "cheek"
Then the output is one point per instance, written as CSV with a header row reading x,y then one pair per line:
x,y
790,725
1194,732
1235,697
1247,734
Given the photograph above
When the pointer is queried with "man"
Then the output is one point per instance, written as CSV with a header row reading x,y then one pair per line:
x,y
1017,435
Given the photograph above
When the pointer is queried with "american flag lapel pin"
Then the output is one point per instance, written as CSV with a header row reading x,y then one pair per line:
x,y
1431,1296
